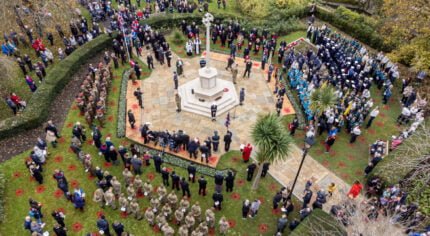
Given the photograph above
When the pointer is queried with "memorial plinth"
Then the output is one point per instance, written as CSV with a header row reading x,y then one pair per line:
x,y
199,94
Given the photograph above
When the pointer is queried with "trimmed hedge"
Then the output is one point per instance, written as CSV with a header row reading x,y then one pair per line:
x,y
356,25
122,104
2,196
173,20
319,223
61,74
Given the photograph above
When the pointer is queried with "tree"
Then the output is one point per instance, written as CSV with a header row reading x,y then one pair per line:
x,y
322,99
405,25
272,142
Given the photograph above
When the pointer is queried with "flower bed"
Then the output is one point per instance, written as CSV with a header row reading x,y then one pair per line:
x,y
122,105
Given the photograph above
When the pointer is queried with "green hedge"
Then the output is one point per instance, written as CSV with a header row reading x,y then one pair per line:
x,y
61,74
319,223
173,20
122,104
2,196
356,25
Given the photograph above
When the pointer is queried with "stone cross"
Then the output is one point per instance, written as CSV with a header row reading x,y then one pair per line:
x,y
207,19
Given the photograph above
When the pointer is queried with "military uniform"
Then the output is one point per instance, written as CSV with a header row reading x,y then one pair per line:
x,y
123,203
223,226
183,231
149,216
172,199
110,199
135,210
99,197
196,210
210,218
147,189
155,203
190,221
166,211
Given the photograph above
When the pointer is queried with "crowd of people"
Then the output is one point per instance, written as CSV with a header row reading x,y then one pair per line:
x,y
92,96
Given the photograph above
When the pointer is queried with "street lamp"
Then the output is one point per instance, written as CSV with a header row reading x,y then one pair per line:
x,y
309,141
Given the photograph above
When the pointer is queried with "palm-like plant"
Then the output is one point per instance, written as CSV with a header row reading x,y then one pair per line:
x,y
272,141
322,99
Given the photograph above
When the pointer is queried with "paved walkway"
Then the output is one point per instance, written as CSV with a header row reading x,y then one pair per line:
x,y
285,172
160,112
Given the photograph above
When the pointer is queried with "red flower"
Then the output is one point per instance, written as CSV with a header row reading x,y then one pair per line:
x,y
273,187
74,107
150,176
114,89
90,142
212,231
90,177
124,143
107,164
140,195
19,192
74,183
156,229
70,150
32,179
240,182
61,210
262,200
276,211
371,131
287,110
351,157
40,189
71,167
58,159
341,164
326,163
61,140
58,193
135,106
213,159
263,228
69,125
234,159
76,227
123,214
332,153
235,196
380,123
169,169
232,223
16,174
110,118
111,103
99,214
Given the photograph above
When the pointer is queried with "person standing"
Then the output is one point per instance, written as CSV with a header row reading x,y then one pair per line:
x,y
230,62
179,66
355,189
137,70
138,94
192,173
202,185
157,163
175,180
293,126
373,114
270,72
282,224
165,176
131,118
241,96
175,80
227,140
214,109
329,142
229,182
248,67
185,188
217,198
250,171
246,152
118,227
255,206
178,102
150,61
234,72
245,208
103,226
265,169
215,141
223,226
355,133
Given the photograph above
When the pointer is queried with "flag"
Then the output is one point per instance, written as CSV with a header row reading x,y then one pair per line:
x,y
227,120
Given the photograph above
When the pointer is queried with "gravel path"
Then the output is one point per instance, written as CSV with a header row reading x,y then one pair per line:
x,y
24,141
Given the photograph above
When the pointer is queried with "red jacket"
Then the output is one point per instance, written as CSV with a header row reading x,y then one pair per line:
x,y
246,153
355,190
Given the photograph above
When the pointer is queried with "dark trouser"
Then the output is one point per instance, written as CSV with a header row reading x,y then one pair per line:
x,y
250,174
202,191
175,185
229,189
193,154
293,131
369,123
275,205
193,179
215,147
186,191
247,72
263,173
227,146
353,138
244,214
166,182
140,102
158,168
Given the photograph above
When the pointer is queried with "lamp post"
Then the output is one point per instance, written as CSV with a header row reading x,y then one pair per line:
x,y
308,144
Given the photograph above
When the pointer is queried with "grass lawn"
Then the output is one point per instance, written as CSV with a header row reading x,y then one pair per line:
x,y
349,160
179,49
20,187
